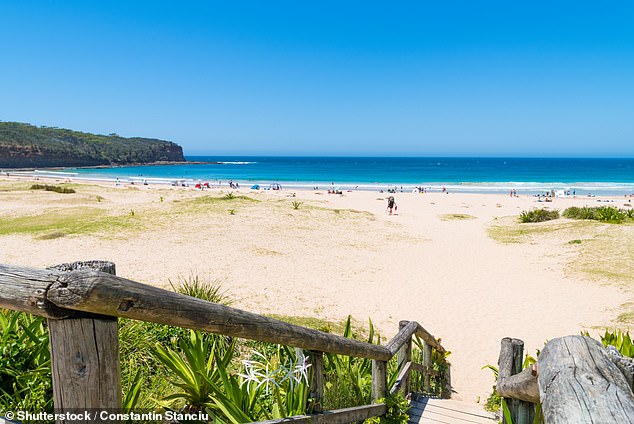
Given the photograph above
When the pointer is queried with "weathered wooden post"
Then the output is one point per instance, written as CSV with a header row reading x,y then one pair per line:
x,y
446,394
85,357
578,383
427,364
509,364
316,360
404,356
379,380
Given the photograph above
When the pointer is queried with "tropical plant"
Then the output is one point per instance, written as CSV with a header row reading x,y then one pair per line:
x,y
229,196
538,215
621,340
296,204
348,380
195,286
195,370
609,214
25,367
397,407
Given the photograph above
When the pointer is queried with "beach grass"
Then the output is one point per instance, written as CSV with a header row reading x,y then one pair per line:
x,y
9,186
509,230
607,254
626,317
312,322
603,251
212,203
59,222
456,217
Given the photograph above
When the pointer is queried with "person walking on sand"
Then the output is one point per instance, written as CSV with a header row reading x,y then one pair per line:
x,y
391,205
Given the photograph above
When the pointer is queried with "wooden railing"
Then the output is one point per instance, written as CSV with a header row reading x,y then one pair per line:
x,y
576,380
82,301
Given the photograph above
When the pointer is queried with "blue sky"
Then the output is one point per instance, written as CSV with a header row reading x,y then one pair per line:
x,y
497,78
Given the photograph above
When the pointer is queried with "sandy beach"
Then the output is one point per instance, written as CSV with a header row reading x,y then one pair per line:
x,y
459,264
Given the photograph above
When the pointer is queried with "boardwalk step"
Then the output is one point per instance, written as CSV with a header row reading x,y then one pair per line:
x,y
429,410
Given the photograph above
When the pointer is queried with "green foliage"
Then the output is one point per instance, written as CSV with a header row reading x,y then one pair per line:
x,y
194,286
56,189
439,363
195,371
25,367
621,340
538,215
229,196
397,407
188,371
71,220
232,211
62,147
348,380
296,204
99,198
580,213
610,214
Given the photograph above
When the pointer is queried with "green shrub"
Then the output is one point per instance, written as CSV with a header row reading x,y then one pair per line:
x,y
25,366
296,204
538,215
56,189
621,340
194,286
610,214
580,213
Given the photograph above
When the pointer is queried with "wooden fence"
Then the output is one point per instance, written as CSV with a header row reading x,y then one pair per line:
x,y
82,301
576,380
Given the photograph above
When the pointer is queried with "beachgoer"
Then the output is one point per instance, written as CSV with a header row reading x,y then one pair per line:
x,y
391,204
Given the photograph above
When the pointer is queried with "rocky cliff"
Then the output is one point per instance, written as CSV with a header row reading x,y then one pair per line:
x,y
25,145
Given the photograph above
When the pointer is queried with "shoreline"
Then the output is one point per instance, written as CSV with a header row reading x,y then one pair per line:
x,y
546,189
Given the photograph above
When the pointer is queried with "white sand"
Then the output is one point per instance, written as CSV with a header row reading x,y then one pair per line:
x,y
450,276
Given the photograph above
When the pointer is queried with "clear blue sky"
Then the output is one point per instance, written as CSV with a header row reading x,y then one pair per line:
x,y
334,78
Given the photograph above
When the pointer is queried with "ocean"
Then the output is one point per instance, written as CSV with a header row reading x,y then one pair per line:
x,y
607,176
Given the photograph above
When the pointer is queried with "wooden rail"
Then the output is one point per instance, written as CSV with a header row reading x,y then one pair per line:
x,y
82,301
576,380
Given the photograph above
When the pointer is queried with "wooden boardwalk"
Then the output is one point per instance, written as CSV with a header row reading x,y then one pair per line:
x,y
428,410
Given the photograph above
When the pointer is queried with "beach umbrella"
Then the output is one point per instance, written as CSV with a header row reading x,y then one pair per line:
x,y
255,187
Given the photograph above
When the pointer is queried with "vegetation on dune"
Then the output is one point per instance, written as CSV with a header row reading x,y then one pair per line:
x,y
72,220
56,189
610,214
510,230
456,217
606,253
538,215
25,145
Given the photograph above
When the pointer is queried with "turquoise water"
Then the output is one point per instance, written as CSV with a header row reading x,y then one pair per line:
x,y
527,175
